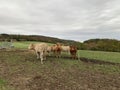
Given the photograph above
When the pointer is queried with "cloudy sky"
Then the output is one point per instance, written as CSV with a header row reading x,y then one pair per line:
x,y
67,19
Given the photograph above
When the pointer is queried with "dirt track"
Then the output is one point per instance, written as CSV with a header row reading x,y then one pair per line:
x,y
64,80
94,61
22,76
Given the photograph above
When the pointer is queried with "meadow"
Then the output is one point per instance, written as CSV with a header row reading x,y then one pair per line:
x,y
20,70
99,55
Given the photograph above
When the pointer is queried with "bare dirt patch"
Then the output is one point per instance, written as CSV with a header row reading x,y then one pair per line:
x,y
92,61
28,74
95,61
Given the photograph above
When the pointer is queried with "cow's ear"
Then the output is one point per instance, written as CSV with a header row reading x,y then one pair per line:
x,y
32,44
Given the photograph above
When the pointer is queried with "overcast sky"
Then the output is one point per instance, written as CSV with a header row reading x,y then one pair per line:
x,y
67,19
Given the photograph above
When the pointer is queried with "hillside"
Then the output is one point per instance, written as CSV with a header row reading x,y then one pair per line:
x,y
91,44
103,45
35,38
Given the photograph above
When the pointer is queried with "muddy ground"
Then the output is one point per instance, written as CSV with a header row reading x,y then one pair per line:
x,y
26,73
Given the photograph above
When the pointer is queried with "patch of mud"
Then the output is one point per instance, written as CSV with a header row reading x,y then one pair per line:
x,y
13,50
78,81
19,82
56,77
95,61
4,68
92,61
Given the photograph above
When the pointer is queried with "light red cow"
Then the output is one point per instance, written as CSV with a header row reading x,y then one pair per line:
x,y
57,50
73,51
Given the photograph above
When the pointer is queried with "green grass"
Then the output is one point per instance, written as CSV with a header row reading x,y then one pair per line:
x,y
54,70
30,62
3,84
25,44
101,55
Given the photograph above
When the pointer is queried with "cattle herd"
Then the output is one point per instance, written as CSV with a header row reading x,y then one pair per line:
x,y
42,49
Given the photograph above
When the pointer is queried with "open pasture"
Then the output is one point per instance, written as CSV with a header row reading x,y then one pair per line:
x,y
99,55
20,70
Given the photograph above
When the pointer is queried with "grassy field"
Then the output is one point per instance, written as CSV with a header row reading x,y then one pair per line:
x,y
23,45
100,55
20,70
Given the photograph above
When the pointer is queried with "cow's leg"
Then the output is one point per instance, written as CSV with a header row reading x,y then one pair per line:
x,y
59,54
41,57
44,55
48,52
38,55
56,54
72,56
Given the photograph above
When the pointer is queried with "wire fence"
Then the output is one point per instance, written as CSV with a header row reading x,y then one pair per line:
x,y
6,45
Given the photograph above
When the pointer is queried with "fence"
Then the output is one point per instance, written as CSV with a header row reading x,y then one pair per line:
x,y
6,45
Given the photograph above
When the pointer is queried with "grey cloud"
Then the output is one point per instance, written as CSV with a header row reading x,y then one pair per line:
x,y
68,19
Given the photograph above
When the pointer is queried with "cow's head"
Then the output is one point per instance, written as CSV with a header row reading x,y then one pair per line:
x,y
31,47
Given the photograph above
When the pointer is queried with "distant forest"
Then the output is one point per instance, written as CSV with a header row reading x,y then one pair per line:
x,y
92,44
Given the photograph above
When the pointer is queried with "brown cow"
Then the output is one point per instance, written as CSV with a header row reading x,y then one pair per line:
x,y
73,51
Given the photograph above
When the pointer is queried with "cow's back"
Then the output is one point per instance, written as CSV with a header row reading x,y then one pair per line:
x,y
41,47
65,48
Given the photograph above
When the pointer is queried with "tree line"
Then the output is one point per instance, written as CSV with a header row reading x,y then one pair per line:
x,y
103,45
91,44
